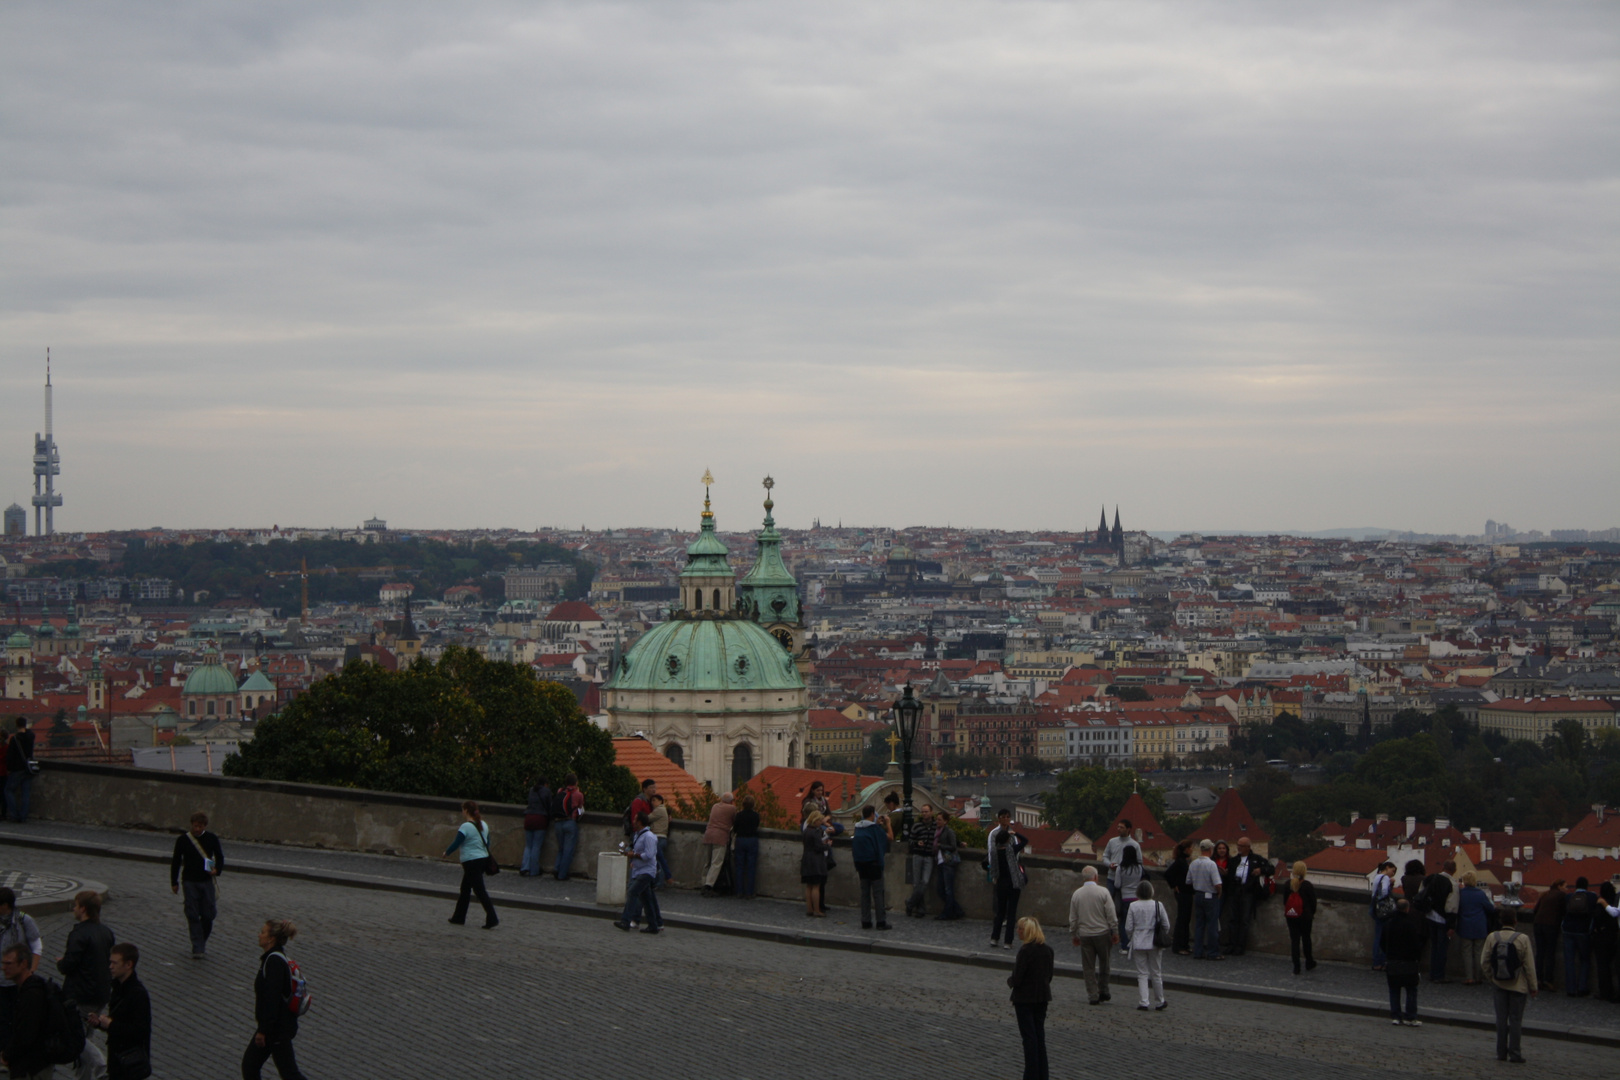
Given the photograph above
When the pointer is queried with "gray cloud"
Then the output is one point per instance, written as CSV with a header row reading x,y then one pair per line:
x,y
1233,266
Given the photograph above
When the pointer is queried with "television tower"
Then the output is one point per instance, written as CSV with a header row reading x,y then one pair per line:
x,y
47,466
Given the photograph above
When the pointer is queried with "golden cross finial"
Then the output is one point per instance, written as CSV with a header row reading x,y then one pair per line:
x,y
707,480
894,741
769,483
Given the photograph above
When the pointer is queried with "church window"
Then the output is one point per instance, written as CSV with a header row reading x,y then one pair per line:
x,y
191,708
210,708
229,706
717,599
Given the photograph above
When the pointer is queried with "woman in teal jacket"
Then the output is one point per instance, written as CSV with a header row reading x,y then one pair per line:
x,y
472,840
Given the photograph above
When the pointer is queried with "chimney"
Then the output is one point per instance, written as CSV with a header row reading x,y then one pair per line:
x,y
1507,864
1508,829
1363,844
1529,854
1442,823
1355,816
1380,819
1411,826
1598,808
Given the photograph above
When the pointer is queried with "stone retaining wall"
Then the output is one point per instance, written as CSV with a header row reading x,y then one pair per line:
x,y
346,819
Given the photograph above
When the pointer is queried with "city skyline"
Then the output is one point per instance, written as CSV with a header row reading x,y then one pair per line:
x,y
1246,268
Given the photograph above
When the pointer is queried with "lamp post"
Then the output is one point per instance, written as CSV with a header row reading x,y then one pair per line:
x,y
907,711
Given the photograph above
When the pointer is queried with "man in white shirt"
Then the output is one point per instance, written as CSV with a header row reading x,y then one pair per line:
x,y
1204,878
1093,926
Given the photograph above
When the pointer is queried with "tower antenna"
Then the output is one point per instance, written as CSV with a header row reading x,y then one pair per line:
x,y
47,466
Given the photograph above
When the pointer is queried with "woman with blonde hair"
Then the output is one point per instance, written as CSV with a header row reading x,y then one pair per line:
x,y
1031,982
813,863
1299,909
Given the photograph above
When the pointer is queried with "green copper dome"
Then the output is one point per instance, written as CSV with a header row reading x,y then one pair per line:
x,y
706,654
18,640
769,585
210,677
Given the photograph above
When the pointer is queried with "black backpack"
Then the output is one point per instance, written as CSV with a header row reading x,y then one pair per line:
x,y
1504,959
1579,905
64,1027
559,810
1432,897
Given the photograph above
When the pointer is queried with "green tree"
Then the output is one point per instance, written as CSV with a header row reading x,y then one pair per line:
x,y
1088,797
464,727
61,731
1261,787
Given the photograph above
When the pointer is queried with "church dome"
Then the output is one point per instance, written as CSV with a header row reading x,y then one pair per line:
x,y
210,678
707,654
18,640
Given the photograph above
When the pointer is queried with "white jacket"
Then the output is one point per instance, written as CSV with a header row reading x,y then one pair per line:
x,y
1141,918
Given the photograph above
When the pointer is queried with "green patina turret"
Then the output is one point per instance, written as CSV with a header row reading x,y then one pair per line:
x,y
771,589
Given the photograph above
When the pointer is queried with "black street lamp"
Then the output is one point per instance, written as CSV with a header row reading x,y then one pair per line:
x,y
907,712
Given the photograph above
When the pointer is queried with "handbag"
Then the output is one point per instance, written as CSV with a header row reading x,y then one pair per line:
x,y
491,867
1161,928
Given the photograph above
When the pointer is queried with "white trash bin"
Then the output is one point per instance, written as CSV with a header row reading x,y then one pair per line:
x,y
612,878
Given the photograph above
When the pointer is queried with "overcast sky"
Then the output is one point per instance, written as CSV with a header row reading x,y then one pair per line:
x,y
1243,266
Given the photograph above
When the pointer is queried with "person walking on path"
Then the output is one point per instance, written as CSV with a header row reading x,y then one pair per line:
x,y
1094,929
1475,914
567,806
1204,879
86,972
920,854
1548,918
947,859
658,821
1510,965
195,868
272,997
1144,921
745,847
1299,912
1580,909
1006,876
867,848
536,817
19,772
1250,875
1403,947
817,843
640,902
128,1019
1381,906
16,928
472,841
1175,877
1031,982
25,1052
717,840
1606,942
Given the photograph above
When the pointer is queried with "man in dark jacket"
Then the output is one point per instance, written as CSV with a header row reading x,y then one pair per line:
x,y
128,1019
19,778
198,860
1403,946
25,1054
1251,877
86,971
868,848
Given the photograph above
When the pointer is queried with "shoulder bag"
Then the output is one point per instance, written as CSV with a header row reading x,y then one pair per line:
x,y
1161,927
491,867
208,861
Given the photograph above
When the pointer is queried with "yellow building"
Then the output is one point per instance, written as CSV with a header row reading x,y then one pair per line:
x,y
1536,718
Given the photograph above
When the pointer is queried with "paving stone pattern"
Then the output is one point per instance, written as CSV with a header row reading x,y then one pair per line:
x,y
399,993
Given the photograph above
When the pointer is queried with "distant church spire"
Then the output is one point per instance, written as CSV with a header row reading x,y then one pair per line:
x,y
1102,526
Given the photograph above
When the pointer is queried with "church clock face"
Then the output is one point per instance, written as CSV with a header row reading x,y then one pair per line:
x,y
784,636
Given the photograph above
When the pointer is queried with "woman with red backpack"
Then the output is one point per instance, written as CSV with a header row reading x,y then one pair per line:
x,y
279,998
1299,909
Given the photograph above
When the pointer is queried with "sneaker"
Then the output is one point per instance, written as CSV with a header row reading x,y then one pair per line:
x,y
994,944
1161,1006
1515,1059
492,924
1395,1023
1143,1008
623,926
1413,1023
456,922
650,930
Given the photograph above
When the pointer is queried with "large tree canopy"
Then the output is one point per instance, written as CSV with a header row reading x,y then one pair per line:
x,y
1088,797
463,727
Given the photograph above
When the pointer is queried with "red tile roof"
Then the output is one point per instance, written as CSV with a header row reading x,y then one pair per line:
x,y
1151,834
646,763
790,785
1230,820
573,611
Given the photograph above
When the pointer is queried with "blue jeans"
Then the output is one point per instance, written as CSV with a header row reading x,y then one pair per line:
x,y
1379,959
18,786
945,884
1577,962
641,899
567,833
1206,926
533,841
662,873
1439,946
745,856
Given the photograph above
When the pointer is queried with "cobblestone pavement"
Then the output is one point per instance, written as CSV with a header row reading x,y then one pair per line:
x,y
1331,982
399,993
